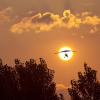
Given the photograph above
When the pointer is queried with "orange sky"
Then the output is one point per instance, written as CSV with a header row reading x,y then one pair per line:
x,y
38,28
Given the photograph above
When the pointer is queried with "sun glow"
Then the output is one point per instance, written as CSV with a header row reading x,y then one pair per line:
x,y
63,56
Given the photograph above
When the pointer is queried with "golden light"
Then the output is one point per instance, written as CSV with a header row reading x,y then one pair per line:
x,y
62,54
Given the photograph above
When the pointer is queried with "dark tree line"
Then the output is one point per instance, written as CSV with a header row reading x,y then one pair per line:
x,y
28,81
87,87
32,81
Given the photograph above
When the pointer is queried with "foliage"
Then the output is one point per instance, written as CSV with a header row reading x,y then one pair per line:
x,y
87,87
29,81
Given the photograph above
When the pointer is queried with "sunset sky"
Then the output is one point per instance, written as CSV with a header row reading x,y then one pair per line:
x,y
39,28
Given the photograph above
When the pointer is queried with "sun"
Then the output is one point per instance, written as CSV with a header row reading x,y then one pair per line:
x,y
62,55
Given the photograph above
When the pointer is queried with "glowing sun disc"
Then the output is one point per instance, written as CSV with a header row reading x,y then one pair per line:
x,y
62,54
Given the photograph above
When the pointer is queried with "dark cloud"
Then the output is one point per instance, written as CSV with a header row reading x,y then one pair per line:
x,y
45,18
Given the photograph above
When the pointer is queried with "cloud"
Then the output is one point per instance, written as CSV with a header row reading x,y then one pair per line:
x,y
48,21
70,20
92,20
38,22
5,14
61,86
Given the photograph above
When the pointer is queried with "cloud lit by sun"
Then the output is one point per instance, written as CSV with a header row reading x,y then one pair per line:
x,y
49,20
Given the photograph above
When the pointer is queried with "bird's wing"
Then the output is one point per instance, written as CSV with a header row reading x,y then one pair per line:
x,y
63,51
66,51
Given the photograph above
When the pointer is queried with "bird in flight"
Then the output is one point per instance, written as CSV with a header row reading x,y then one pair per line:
x,y
65,51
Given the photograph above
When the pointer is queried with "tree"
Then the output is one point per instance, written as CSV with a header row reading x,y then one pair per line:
x,y
87,87
8,83
29,81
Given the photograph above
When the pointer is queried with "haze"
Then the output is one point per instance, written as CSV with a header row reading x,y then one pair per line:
x,y
38,28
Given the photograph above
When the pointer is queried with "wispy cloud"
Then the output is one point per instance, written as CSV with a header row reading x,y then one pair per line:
x,y
48,21
5,14
61,86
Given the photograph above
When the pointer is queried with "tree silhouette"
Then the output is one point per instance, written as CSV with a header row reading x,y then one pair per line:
x,y
87,87
29,81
